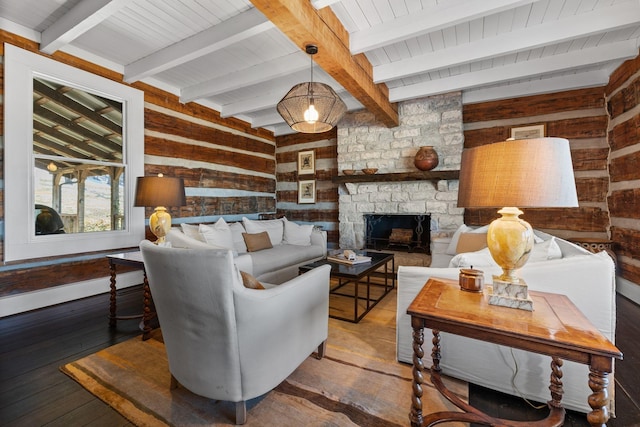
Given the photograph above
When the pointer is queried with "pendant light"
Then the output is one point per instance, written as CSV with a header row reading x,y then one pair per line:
x,y
311,107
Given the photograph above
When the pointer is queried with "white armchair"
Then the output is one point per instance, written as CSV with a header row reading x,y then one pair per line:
x,y
225,341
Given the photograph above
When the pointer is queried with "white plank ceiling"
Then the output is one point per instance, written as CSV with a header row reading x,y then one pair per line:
x,y
225,54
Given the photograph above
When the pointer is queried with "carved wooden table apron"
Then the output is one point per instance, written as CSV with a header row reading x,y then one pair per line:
x,y
131,259
555,328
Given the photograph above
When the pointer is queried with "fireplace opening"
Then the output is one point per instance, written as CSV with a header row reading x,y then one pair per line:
x,y
400,232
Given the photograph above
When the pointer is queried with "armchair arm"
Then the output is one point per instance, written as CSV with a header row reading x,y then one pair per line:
x,y
280,327
319,237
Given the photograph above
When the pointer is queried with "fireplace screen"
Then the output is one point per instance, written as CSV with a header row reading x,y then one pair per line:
x,y
403,232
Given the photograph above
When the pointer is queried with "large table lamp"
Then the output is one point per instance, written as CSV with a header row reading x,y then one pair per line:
x,y
159,192
512,174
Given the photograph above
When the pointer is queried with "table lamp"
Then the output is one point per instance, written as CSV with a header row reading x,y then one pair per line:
x,y
524,173
160,191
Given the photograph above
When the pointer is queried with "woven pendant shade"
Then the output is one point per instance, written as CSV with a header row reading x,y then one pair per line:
x,y
327,103
311,107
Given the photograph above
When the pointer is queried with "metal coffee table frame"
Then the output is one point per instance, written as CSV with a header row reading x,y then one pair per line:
x,y
347,274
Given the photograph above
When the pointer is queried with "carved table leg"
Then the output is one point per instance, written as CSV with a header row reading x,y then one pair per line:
x,y
112,296
556,382
146,314
435,351
418,379
599,399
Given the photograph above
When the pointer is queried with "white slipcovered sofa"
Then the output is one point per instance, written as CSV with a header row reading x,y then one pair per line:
x,y
587,279
292,244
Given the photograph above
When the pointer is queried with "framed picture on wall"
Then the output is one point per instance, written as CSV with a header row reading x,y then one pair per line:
x,y
306,162
527,132
307,191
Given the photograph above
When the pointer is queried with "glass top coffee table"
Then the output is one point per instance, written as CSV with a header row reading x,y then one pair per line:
x,y
355,293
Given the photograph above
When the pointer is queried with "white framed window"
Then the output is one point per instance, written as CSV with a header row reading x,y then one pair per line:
x,y
74,145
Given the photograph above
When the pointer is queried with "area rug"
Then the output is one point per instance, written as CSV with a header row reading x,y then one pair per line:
x,y
357,383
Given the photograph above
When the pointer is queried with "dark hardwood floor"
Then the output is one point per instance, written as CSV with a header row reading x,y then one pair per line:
x,y
33,392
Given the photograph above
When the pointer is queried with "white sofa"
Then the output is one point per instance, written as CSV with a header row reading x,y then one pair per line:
x,y
293,245
587,279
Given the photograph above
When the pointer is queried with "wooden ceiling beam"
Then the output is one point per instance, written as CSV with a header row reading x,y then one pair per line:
x,y
303,24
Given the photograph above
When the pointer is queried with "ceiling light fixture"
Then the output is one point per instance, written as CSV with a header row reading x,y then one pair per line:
x,y
311,107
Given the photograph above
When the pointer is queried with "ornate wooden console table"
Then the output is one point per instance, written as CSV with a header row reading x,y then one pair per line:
x,y
555,328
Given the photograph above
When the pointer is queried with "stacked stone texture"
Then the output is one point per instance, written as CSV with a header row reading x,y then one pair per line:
x,y
365,143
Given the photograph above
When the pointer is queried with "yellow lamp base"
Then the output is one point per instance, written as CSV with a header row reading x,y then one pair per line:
x,y
160,223
510,241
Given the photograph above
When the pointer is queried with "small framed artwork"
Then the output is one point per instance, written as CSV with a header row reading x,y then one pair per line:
x,y
528,132
307,191
306,162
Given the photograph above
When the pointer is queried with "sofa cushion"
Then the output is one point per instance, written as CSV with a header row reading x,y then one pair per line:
x,y
236,234
282,256
257,242
544,251
275,228
193,231
249,281
297,234
471,242
217,235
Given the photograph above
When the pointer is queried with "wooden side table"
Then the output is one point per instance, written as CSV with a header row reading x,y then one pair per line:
x,y
556,328
131,259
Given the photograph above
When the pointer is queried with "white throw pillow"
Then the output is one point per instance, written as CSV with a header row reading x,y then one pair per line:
x,y
297,234
238,241
274,227
481,258
548,249
217,235
192,231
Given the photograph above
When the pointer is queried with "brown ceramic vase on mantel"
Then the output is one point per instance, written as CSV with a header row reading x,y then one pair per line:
x,y
426,158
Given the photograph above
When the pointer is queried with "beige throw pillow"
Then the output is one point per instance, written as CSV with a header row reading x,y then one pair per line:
x,y
471,242
257,242
250,282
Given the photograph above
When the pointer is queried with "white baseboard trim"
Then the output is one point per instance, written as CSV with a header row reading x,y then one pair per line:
x,y
628,289
14,304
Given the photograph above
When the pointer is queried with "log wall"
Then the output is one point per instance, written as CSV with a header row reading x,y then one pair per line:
x,y
623,104
579,116
229,170
325,211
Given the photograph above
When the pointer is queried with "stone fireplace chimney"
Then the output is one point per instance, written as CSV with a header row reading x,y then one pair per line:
x,y
365,143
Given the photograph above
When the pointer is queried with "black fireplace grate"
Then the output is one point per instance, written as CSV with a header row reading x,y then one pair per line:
x,y
392,231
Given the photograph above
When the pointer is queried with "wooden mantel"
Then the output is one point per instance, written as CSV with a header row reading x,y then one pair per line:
x,y
402,176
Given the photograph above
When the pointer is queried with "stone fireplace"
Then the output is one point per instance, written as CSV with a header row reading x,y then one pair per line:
x,y
365,143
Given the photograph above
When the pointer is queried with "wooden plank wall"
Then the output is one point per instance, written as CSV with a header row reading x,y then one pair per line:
x,y
578,116
623,99
228,167
325,211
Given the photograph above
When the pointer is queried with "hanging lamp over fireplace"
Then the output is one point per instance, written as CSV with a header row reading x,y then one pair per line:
x,y
311,107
